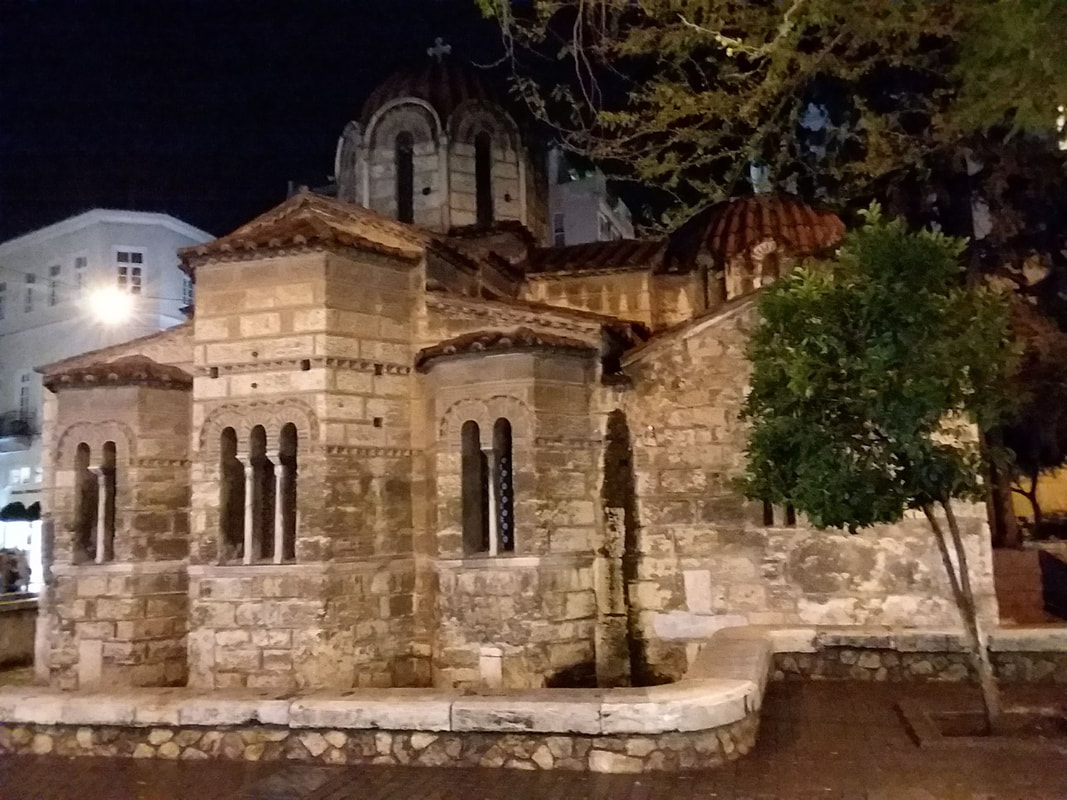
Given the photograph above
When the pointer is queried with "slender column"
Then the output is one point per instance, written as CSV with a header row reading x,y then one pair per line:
x,y
101,515
249,506
494,503
280,471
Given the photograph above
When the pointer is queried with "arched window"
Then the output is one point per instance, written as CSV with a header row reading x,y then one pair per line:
x,y
86,500
109,487
405,177
262,497
231,497
483,177
475,497
287,491
503,486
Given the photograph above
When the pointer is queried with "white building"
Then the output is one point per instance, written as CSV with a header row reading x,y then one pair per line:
x,y
93,280
582,208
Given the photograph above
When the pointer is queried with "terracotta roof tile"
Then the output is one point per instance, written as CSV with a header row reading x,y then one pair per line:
x,y
445,84
133,370
308,219
733,227
616,255
500,341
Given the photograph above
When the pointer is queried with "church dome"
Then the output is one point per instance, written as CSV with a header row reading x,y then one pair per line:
x,y
445,83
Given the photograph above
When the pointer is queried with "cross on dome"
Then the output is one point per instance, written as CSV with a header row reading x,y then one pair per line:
x,y
439,49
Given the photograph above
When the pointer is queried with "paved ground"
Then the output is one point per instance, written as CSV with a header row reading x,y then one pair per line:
x,y
828,740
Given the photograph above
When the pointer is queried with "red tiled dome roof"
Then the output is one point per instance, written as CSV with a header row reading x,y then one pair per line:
x,y
135,370
443,83
734,227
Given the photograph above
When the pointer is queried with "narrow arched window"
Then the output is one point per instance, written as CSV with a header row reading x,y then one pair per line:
x,y
86,499
262,496
503,486
405,177
483,177
475,497
287,491
109,487
231,497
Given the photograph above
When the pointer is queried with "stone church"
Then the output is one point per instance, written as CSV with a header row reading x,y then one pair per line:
x,y
406,441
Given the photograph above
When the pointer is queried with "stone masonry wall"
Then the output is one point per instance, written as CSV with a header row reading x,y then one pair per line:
x,y
613,754
706,559
873,664
117,625
526,618
297,626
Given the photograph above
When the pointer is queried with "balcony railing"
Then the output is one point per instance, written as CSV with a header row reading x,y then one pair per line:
x,y
16,431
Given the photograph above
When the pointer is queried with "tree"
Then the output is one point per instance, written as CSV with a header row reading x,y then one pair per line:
x,y
828,98
867,379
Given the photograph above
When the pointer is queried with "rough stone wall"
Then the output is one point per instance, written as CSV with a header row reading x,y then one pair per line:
x,y
121,622
626,295
509,189
379,158
322,341
303,625
706,561
668,752
114,625
525,618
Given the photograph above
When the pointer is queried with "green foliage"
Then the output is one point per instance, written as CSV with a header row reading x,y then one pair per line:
x,y
865,375
830,96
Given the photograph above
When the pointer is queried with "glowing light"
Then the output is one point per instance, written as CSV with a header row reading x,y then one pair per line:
x,y
110,306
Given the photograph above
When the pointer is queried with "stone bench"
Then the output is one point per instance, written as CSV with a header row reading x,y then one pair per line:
x,y
708,717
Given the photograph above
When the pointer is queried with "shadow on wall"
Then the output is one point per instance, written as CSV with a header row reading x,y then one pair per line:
x,y
620,504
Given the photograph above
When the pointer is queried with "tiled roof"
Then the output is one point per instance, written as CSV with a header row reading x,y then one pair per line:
x,y
734,227
500,341
306,219
126,371
614,256
444,84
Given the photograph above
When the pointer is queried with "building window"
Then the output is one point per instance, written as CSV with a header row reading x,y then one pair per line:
x,y
231,497
405,177
285,493
129,264
503,487
605,228
475,500
86,505
3,300
559,230
483,177
27,305
81,265
53,285
187,291
25,405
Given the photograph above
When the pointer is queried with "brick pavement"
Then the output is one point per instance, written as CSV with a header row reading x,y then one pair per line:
x,y
818,740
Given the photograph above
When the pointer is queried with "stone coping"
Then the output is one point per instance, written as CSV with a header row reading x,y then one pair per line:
x,y
724,685
18,603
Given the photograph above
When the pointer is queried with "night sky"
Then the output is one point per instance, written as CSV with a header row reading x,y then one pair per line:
x,y
204,109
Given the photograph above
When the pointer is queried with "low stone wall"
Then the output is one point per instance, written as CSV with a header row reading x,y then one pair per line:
x,y
1030,655
18,621
665,752
706,719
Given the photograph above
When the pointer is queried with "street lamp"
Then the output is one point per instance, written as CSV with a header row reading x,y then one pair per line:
x,y
110,306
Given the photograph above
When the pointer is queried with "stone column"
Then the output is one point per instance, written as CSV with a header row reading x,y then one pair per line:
x,y
101,516
280,473
494,501
249,506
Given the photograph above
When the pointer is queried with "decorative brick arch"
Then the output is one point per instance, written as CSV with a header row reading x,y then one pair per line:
x,y
95,434
486,411
473,117
405,113
242,417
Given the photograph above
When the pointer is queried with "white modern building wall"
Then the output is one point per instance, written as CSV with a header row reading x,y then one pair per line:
x,y
89,281
581,206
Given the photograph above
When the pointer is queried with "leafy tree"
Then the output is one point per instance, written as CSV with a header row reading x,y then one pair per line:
x,y
867,378
832,98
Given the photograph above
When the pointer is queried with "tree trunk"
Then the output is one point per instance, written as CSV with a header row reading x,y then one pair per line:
x,y
1038,514
960,581
1002,520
